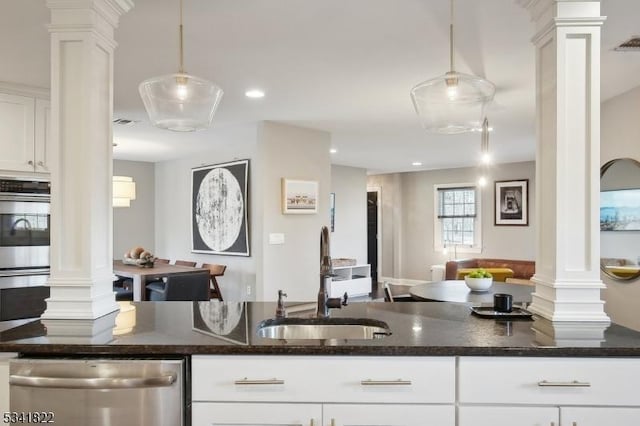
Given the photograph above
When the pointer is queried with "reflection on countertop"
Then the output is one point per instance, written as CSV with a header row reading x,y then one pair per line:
x,y
420,328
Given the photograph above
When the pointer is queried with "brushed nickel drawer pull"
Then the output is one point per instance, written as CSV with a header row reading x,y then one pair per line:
x,y
573,384
370,382
246,381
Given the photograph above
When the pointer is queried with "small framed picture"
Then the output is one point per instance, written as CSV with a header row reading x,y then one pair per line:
x,y
512,203
299,196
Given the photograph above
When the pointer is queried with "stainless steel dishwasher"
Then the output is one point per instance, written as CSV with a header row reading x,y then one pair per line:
x,y
98,392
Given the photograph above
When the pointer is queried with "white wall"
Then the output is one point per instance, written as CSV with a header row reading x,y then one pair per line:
x,y
173,212
620,129
408,219
294,153
135,225
349,238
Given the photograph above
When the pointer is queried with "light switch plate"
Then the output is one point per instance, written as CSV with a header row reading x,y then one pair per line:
x,y
276,238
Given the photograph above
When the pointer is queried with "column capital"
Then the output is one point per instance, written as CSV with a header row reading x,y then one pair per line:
x,y
109,10
551,14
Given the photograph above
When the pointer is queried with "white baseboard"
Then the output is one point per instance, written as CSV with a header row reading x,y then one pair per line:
x,y
403,281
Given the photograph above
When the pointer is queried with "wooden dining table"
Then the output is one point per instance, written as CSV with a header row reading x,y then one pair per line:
x,y
141,276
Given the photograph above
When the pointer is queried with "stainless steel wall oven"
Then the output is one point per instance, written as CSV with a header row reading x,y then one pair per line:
x,y
24,226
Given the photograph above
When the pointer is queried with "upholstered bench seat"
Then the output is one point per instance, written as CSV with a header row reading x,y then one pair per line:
x,y
499,274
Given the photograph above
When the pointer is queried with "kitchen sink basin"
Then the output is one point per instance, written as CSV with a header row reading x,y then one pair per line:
x,y
322,328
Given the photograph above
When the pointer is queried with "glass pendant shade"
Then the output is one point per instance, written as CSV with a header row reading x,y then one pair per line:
x,y
180,101
452,103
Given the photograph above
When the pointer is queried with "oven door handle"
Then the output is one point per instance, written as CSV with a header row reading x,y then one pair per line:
x,y
93,382
44,198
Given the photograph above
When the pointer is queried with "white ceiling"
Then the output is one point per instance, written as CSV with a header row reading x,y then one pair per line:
x,y
343,66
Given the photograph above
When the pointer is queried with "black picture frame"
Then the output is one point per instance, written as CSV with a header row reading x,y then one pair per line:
x,y
511,202
219,209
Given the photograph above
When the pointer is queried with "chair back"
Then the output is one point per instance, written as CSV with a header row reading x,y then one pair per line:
x,y
188,287
215,270
185,263
396,293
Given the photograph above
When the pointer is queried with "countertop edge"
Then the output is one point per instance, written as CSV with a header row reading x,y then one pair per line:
x,y
169,350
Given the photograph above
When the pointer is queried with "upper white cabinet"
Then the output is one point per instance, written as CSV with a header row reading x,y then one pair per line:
x,y
24,132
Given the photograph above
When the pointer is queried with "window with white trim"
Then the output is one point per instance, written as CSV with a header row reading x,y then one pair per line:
x,y
457,218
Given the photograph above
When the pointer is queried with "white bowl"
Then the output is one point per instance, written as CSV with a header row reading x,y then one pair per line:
x,y
478,284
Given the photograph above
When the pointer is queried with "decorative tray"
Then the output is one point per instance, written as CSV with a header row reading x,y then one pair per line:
x,y
490,312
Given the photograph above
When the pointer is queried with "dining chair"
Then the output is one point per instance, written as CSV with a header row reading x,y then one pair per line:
x,y
158,260
123,288
189,286
185,263
215,271
396,293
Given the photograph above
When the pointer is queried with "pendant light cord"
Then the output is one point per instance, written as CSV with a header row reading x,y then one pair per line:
x,y
450,39
181,70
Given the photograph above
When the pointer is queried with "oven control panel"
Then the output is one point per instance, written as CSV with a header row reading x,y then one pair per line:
x,y
26,187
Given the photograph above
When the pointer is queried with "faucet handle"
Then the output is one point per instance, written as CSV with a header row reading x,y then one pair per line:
x,y
345,296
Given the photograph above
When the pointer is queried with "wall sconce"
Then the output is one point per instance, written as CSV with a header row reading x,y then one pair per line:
x,y
124,190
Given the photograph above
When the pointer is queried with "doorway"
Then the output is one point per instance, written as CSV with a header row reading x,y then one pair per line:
x,y
373,243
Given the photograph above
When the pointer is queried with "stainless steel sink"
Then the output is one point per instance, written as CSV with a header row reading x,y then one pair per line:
x,y
322,328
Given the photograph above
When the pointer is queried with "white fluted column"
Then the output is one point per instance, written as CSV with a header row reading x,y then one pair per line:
x,y
567,43
82,46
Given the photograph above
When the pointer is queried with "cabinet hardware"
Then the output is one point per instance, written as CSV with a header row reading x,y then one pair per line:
x,y
246,381
370,382
573,384
30,163
41,164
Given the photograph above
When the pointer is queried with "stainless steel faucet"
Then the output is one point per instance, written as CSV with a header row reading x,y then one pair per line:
x,y
326,272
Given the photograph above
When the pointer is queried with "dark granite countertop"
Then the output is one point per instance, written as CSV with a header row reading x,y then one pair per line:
x,y
419,329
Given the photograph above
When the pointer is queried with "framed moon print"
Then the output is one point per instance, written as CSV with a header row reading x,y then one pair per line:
x,y
512,202
219,216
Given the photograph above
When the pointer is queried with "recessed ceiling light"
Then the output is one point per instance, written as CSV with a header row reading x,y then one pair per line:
x,y
333,150
254,93
416,163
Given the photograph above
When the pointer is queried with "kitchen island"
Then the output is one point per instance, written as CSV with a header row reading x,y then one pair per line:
x,y
418,329
440,363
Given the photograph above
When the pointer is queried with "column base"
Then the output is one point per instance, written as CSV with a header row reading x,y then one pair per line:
x,y
568,301
75,299
569,334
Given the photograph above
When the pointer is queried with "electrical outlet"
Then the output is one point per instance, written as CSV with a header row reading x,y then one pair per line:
x,y
248,289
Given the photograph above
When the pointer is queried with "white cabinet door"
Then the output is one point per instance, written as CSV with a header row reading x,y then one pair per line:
x,y
508,416
388,415
601,416
16,132
42,135
255,414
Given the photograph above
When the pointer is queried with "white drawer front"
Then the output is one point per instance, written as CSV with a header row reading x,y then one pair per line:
x,y
324,379
507,416
557,381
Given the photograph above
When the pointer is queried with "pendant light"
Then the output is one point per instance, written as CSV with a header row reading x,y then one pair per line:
x,y
180,102
124,190
454,102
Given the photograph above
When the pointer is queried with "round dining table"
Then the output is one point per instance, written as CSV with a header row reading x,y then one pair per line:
x,y
457,291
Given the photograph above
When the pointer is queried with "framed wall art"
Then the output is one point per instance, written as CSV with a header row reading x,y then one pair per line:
x,y
512,202
219,214
299,196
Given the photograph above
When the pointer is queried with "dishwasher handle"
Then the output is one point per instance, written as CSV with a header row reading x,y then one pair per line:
x,y
93,382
